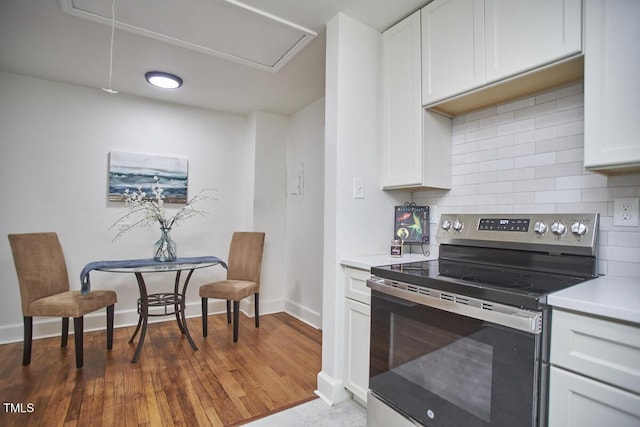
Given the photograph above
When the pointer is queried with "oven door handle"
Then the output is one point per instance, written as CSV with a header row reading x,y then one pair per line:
x,y
500,314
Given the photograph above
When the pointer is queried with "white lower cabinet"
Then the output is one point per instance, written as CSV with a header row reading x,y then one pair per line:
x,y
357,321
595,372
578,401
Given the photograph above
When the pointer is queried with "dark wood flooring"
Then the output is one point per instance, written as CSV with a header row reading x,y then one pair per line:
x,y
222,384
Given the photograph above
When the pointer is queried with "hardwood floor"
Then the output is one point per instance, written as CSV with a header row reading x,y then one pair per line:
x,y
222,384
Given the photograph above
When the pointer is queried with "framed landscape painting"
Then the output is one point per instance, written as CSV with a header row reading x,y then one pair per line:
x,y
130,171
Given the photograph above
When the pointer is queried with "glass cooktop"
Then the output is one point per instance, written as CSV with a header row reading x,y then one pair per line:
x,y
513,286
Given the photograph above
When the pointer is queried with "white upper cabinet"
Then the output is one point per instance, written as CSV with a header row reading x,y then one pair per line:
x,y
452,48
611,86
415,150
522,34
469,45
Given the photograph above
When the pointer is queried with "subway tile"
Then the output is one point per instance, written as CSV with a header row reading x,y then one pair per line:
x,y
463,190
464,169
624,269
559,170
481,114
557,196
495,209
571,101
536,110
457,180
559,144
517,126
541,159
480,156
457,159
581,181
560,92
516,150
571,128
535,208
624,180
516,174
535,135
478,178
516,105
503,164
595,195
480,134
499,120
497,142
464,128
495,187
561,117
541,184
516,198
458,139
581,207
617,253
627,239
570,156
496,165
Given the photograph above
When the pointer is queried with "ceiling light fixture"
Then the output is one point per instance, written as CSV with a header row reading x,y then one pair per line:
x,y
163,80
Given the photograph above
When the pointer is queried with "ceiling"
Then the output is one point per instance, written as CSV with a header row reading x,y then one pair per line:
x,y
234,56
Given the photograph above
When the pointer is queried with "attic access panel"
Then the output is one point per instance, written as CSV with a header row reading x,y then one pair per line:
x,y
223,28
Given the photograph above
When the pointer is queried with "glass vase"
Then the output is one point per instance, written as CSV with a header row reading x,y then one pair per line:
x,y
165,248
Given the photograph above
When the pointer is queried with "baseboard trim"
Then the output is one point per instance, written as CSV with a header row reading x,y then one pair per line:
x,y
331,390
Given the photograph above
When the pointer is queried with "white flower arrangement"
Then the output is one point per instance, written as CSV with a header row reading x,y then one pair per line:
x,y
145,209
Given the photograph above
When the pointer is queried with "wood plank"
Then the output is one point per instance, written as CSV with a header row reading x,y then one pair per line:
x,y
224,383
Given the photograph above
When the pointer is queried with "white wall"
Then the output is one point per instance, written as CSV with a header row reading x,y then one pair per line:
x,y
54,145
527,156
269,205
305,214
352,226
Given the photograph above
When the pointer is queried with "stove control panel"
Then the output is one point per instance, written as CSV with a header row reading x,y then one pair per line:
x,y
562,233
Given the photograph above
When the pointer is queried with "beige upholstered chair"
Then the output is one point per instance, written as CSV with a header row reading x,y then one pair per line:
x,y
243,278
44,290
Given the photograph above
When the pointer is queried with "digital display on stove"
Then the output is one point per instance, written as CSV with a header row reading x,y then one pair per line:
x,y
504,224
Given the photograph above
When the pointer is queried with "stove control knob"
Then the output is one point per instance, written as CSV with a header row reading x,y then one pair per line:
x,y
540,227
446,224
458,225
558,228
579,228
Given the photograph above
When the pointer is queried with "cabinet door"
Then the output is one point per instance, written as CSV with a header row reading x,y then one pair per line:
x,y
357,348
356,286
601,349
524,34
401,150
452,48
611,85
577,401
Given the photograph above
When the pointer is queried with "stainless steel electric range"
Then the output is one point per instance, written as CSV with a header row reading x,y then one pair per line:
x,y
463,340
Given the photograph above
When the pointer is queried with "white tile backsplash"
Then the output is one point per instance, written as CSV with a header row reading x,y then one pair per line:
x,y
526,156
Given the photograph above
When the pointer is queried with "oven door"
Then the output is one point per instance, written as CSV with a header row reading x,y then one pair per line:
x,y
446,369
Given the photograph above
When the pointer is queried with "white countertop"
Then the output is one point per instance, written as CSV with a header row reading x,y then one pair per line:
x,y
366,262
614,297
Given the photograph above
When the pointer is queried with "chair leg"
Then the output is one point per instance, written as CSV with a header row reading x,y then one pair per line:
x,y
228,311
28,333
78,332
205,318
110,310
236,319
256,298
65,331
